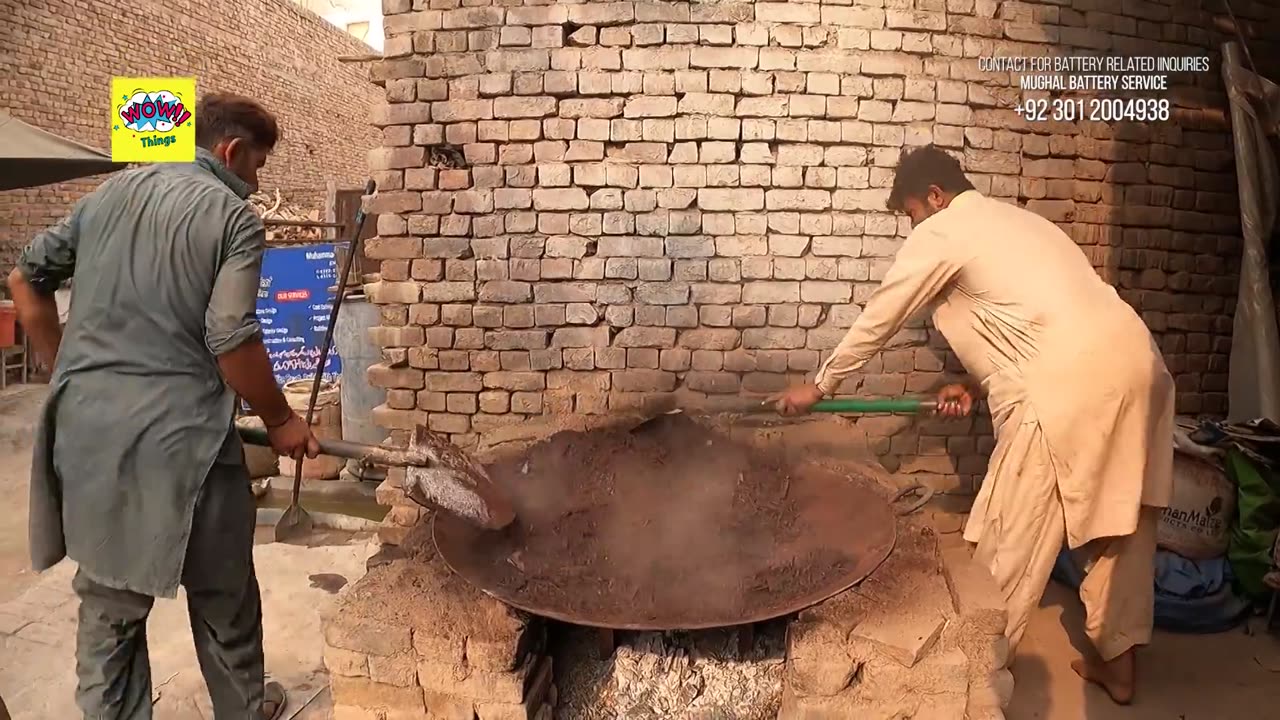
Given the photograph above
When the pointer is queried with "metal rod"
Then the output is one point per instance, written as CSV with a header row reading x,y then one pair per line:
x,y
606,643
1264,108
328,334
911,405
746,640
1235,25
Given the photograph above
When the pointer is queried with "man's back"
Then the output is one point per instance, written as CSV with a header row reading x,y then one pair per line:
x,y
137,472
140,408
150,242
1024,288
1027,264
1103,397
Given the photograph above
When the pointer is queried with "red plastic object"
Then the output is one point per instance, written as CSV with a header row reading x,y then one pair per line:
x,y
8,324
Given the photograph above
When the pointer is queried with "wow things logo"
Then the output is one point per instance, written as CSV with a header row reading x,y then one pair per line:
x,y
153,120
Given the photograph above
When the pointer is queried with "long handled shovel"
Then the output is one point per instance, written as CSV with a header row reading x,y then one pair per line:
x,y
438,474
296,521
754,406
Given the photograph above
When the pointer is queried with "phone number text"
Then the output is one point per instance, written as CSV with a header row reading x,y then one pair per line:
x,y
1094,110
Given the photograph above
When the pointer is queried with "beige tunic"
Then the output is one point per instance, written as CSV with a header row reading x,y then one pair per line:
x,y
1044,335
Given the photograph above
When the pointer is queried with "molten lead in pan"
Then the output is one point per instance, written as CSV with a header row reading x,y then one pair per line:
x,y
675,528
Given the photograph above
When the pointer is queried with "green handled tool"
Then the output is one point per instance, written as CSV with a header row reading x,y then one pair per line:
x,y
756,406
851,406
882,405
665,407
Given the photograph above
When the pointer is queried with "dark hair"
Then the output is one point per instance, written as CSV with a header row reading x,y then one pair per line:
x,y
222,116
919,169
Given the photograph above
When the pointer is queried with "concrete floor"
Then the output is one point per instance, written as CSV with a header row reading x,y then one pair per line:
x,y
1231,676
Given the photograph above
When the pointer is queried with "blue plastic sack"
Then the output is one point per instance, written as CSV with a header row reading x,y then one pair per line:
x,y
1192,596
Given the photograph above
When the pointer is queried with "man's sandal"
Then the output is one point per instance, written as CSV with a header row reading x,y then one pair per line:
x,y
274,701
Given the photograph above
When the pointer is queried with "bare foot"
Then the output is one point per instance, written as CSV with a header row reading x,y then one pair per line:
x,y
1116,677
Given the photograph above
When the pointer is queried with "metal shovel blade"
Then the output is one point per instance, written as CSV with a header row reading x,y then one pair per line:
x,y
455,483
438,474
294,522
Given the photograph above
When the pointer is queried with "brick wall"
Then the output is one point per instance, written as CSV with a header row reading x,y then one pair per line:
x,y
652,197
59,57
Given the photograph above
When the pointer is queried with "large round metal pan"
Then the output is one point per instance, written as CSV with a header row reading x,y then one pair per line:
x,y
831,532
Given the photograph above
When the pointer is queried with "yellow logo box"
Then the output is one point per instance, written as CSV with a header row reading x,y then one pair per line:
x,y
153,119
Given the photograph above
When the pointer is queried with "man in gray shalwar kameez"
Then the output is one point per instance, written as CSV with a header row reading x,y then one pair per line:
x,y
138,474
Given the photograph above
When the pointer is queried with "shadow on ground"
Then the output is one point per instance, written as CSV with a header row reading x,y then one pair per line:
x,y
1227,676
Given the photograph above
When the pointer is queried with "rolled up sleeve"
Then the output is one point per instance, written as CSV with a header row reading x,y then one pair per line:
x,y
50,259
232,316
922,269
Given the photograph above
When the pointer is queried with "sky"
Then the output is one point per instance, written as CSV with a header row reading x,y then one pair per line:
x,y
344,13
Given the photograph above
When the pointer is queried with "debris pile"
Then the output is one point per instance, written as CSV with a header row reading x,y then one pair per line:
x,y
274,207
664,676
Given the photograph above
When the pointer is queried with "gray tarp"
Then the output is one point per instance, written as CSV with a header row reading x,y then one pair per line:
x,y
1254,383
30,157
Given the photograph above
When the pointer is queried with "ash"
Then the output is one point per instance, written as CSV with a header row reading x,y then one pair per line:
x,y
670,676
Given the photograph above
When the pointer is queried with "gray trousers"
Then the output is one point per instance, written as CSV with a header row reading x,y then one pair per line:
x,y
112,664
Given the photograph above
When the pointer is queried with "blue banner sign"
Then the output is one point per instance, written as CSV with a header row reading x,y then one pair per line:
x,y
294,302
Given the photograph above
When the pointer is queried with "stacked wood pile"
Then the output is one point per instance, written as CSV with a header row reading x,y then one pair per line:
x,y
274,207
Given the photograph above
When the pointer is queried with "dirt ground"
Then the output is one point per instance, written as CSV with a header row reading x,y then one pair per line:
x,y
1230,676
19,409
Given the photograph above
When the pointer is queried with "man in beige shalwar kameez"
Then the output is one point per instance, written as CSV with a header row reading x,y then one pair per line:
x,y
1080,399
